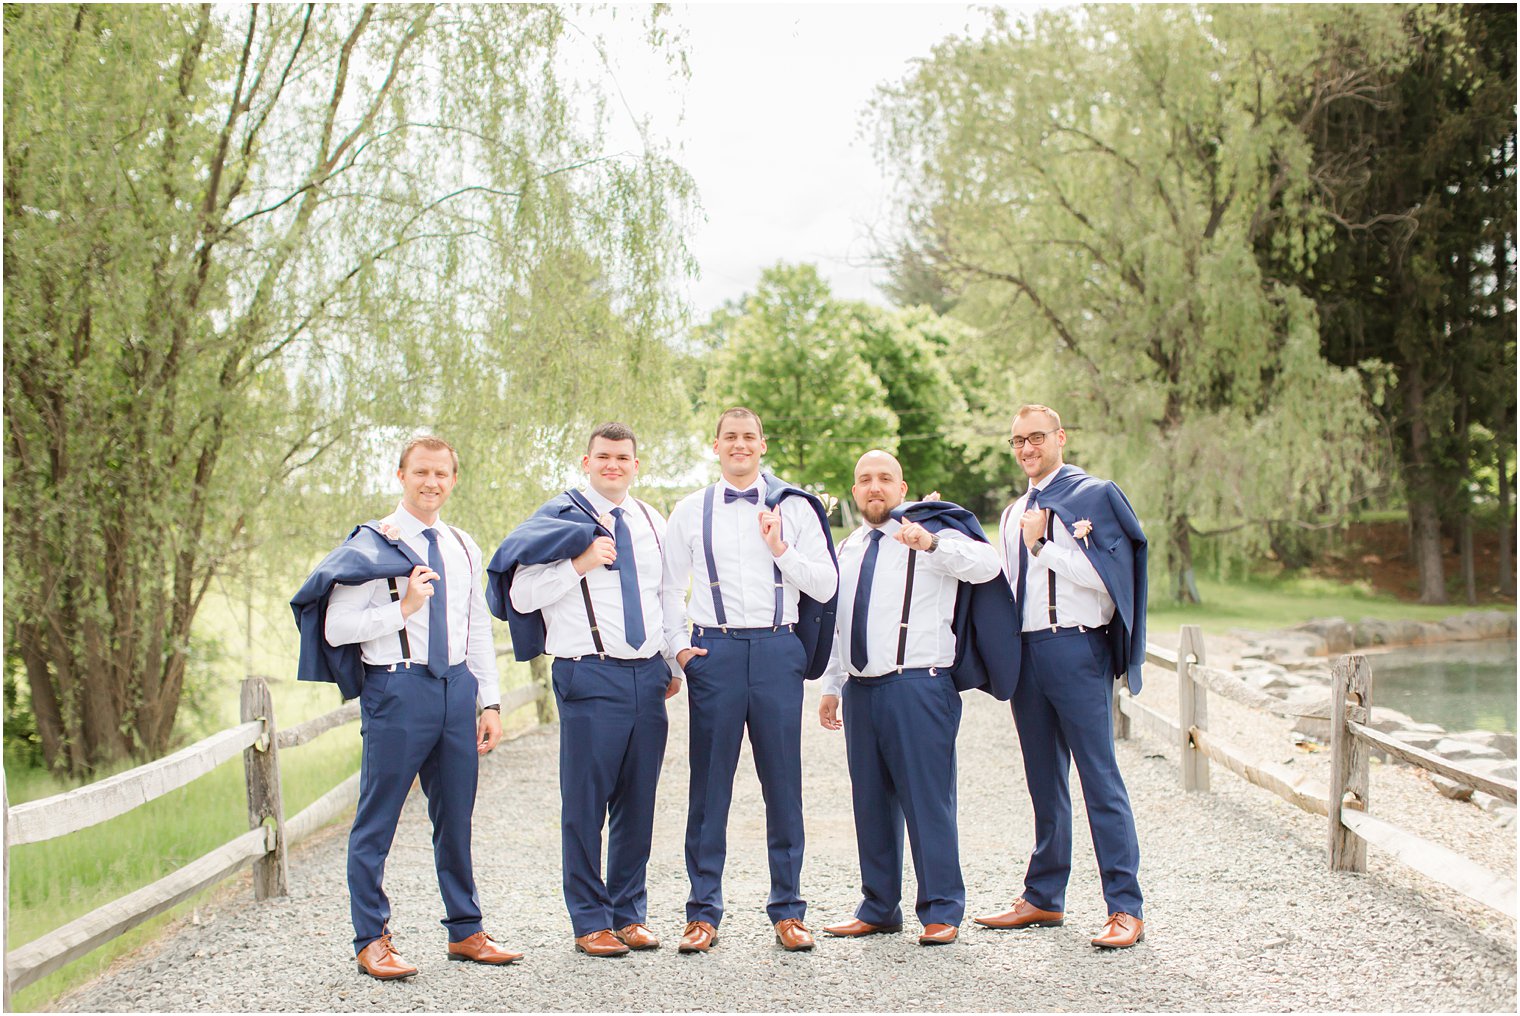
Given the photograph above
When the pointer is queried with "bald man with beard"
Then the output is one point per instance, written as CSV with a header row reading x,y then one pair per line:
x,y
894,649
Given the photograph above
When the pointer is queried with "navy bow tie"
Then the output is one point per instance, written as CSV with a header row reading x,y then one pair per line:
x,y
730,496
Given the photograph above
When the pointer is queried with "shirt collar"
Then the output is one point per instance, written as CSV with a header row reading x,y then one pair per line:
x,y
600,503
1047,481
410,525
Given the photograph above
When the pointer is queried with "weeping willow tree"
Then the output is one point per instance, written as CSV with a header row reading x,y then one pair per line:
x,y
1092,183
247,248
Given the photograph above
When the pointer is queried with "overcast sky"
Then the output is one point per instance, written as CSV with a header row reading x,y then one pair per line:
x,y
773,137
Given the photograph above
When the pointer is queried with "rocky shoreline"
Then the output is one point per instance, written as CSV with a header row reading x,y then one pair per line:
x,y
1294,664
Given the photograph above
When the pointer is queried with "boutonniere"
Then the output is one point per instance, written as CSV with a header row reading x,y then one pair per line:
x,y
605,521
390,532
1080,529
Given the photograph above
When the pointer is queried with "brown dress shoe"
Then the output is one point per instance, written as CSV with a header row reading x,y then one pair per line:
x,y
637,937
793,936
1023,915
938,934
380,960
481,948
699,936
855,928
1120,932
601,943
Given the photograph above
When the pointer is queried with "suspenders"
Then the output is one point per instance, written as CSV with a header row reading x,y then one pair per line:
x,y
406,643
1050,575
712,566
902,629
596,633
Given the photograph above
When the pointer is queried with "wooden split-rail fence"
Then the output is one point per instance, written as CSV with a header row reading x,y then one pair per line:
x,y
1344,801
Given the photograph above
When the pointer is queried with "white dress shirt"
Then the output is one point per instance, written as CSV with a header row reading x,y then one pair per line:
x,y
936,581
366,614
744,564
1081,598
554,588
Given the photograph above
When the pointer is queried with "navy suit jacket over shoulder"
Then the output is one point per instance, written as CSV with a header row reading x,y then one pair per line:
x,y
365,556
815,620
985,625
561,528
1117,549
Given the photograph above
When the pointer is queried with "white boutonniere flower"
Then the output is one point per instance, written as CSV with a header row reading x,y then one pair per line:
x,y
605,521
390,532
1080,529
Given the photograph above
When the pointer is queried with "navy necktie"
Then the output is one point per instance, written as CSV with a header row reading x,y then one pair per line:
x,y
860,614
438,610
1018,600
730,495
628,578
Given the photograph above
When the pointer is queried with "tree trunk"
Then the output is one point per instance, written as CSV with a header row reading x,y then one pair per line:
x,y
1506,549
1424,518
1180,555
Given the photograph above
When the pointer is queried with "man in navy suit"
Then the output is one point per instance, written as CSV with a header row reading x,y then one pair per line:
x,y
1074,554
895,648
428,661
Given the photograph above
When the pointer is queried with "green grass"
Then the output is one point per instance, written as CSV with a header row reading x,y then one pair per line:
x,y
1265,604
54,882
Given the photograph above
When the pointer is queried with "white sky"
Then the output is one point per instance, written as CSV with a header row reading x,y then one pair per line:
x,y
772,133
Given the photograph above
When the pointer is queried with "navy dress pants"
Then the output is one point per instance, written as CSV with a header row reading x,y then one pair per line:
x,y
1062,708
415,724
750,678
899,735
612,729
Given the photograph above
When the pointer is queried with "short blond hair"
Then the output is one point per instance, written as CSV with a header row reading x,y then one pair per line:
x,y
433,444
742,412
1035,407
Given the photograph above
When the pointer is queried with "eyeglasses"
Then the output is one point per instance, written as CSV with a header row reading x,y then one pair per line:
x,y
1037,438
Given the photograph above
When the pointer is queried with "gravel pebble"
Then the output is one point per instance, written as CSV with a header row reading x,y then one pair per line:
x,y
1242,911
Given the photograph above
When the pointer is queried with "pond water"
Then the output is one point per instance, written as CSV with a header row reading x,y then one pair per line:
x,y
1460,685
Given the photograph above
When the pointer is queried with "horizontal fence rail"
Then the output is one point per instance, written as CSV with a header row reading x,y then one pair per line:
x,y
263,847
116,795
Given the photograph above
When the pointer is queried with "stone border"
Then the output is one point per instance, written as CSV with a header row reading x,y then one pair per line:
x,y
1293,664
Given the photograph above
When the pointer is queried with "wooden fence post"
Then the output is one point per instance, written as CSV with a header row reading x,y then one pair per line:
x,y
543,680
1192,709
1120,718
261,767
1352,699
5,835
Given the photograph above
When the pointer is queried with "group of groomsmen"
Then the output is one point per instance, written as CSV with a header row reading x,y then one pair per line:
x,y
916,607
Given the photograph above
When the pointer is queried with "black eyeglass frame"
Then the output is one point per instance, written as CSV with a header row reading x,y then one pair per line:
x,y
1041,434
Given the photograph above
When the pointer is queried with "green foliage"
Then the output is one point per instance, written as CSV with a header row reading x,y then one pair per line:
x,y
793,356
248,250
1091,183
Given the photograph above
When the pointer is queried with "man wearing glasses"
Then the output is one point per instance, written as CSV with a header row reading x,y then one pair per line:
x,y
1075,556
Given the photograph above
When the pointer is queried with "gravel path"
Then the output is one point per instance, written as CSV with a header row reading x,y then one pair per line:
x,y
1242,912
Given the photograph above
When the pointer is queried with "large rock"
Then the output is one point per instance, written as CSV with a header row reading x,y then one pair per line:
x,y
1451,788
1286,645
1337,633
1422,739
1503,742
1496,768
1370,631
1457,751
1386,719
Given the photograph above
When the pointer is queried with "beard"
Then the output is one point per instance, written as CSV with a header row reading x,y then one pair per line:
x,y
876,513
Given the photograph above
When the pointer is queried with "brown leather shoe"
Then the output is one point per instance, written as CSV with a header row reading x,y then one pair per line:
x,y
1023,915
637,937
1120,932
481,948
793,936
380,960
938,934
699,936
601,943
855,928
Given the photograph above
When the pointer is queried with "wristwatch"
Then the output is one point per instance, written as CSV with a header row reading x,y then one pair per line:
x,y
1039,545
495,705
933,543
